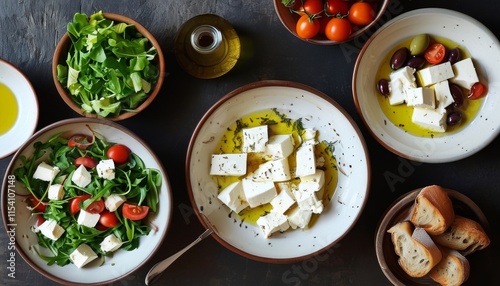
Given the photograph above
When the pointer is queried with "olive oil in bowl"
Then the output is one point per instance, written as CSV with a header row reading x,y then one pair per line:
x,y
8,109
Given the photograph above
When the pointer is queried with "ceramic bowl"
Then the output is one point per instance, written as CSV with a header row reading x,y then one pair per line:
x,y
471,35
17,216
317,111
289,20
19,108
60,56
398,211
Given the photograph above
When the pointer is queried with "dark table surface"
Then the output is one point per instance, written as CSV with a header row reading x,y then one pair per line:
x,y
30,31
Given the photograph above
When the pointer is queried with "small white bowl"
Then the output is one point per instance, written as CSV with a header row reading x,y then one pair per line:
x,y
122,262
27,105
470,34
317,111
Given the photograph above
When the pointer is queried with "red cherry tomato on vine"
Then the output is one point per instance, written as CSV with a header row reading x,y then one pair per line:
x,y
134,212
312,7
86,161
119,153
361,13
108,219
435,53
306,27
338,29
336,7
477,91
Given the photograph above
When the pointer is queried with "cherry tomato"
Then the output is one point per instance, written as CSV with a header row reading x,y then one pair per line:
x,y
95,207
100,227
108,219
313,7
477,91
435,53
37,205
361,13
80,141
119,153
338,29
306,27
134,212
336,8
86,161
39,220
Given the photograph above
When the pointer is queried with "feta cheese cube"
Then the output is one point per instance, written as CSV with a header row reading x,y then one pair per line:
x,y
45,172
314,181
443,95
114,201
255,139
280,169
309,134
81,177
280,146
431,119
258,193
299,218
306,161
397,92
435,74
51,229
465,73
110,243
106,169
82,255
420,97
406,75
272,222
228,164
307,200
88,219
283,201
234,197
56,192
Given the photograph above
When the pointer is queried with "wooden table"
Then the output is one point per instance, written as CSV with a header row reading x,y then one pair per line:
x,y
30,31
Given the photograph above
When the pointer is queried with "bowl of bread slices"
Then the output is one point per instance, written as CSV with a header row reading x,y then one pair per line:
x,y
426,236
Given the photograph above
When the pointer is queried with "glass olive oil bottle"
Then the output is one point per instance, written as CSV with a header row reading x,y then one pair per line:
x,y
207,46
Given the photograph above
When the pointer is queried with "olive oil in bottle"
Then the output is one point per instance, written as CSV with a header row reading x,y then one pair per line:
x,y
207,46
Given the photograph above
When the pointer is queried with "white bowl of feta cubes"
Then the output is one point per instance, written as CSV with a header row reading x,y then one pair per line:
x,y
481,46
300,212
21,221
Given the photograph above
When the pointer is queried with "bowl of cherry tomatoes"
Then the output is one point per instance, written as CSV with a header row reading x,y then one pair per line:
x,y
329,22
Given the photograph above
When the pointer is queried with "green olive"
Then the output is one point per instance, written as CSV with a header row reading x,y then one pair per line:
x,y
419,44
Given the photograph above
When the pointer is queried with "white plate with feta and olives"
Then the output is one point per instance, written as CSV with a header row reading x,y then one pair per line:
x,y
87,202
280,171
426,85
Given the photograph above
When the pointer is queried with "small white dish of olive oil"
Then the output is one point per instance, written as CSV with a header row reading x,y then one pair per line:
x,y
18,109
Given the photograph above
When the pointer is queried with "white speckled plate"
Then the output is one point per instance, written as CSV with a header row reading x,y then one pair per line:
x,y
27,106
122,262
483,47
317,111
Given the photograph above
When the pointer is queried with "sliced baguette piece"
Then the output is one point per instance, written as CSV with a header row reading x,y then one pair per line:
x,y
432,210
415,248
464,235
452,270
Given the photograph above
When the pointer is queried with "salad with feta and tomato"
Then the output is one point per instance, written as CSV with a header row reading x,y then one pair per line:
x,y
89,197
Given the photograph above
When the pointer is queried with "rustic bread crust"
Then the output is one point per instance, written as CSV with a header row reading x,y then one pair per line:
x,y
452,270
433,210
464,235
417,252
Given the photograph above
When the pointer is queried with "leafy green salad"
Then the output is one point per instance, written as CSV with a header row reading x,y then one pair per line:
x,y
89,197
109,68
